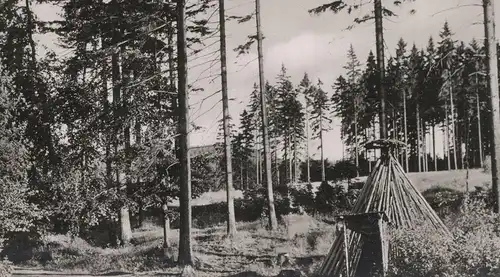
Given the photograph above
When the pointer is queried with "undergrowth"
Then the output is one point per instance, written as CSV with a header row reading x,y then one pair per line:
x,y
302,238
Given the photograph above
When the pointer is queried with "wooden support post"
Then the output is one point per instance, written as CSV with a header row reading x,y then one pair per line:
x,y
346,250
383,246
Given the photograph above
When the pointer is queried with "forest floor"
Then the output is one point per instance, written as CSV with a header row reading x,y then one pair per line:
x,y
254,251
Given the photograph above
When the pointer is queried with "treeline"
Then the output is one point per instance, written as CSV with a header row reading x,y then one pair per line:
x,y
436,93
442,87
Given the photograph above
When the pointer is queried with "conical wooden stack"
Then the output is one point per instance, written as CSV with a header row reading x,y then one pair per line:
x,y
386,190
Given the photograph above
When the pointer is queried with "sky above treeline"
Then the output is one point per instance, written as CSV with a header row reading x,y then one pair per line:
x,y
307,43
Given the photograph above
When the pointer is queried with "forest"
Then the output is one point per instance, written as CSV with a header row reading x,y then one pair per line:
x,y
95,148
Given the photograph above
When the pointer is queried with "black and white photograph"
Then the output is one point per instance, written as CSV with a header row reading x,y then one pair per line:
x,y
249,138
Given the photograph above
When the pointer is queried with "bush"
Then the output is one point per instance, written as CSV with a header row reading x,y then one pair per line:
x,y
474,249
332,199
303,196
444,200
5,269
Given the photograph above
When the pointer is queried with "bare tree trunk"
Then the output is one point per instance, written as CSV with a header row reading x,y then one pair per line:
x,y
379,34
104,74
290,174
424,145
138,142
434,157
356,140
277,165
323,171
185,247
295,160
231,219
448,151
166,229
479,131
124,211
308,158
125,230
419,145
257,157
406,130
453,129
492,70
273,222
286,158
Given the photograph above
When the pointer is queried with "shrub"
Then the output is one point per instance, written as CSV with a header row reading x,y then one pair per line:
x,y
444,200
5,269
303,196
474,249
332,199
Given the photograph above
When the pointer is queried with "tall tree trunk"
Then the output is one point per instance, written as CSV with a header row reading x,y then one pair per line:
x,y
479,130
434,157
231,219
406,131
424,145
273,222
107,116
107,134
166,229
138,142
124,219
176,117
379,34
295,161
356,140
308,156
290,173
277,165
323,170
492,71
185,247
419,145
447,136
126,227
453,129
257,160
285,158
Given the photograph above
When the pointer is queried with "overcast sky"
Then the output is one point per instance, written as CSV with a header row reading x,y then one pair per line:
x,y
313,44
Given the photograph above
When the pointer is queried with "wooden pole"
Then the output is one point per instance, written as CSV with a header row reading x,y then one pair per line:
x,y
492,71
273,222
346,250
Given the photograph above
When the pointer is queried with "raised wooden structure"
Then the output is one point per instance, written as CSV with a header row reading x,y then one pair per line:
x,y
388,198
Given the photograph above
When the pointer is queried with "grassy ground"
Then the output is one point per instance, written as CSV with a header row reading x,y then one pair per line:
x,y
253,251
455,179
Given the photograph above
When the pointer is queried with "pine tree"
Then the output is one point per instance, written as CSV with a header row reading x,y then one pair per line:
x,y
320,120
353,73
447,53
305,89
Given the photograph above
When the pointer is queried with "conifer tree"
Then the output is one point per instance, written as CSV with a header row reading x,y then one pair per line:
x,y
320,120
